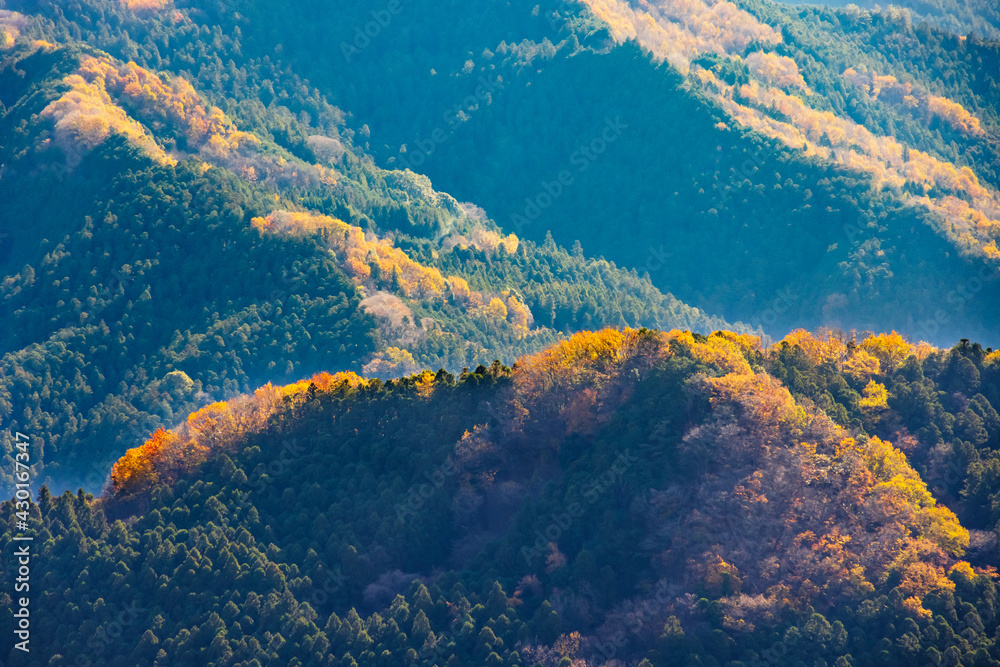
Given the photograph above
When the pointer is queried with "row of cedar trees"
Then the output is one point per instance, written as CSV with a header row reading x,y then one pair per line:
x,y
572,369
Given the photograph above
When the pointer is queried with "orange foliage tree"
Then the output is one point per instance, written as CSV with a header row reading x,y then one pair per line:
x,y
137,472
575,385
886,520
167,455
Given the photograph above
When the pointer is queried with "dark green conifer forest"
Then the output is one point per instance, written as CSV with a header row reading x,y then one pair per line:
x,y
593,333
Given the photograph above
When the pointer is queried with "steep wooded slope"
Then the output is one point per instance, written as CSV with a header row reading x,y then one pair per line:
x,y
750,522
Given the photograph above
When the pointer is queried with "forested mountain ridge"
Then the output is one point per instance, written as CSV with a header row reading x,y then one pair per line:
x,y
484,518
813,236
816,220
144,289
353,316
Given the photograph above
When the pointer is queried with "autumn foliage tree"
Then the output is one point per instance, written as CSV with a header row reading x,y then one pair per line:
x,y
890,349
168,455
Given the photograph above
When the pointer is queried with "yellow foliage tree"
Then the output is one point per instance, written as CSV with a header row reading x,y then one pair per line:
x,y
425,384
85,116
780,71
729,353
391,362
955,115
359,253
890,349
874,396
518,313
8,35
145,5
494,312
824,348
861,365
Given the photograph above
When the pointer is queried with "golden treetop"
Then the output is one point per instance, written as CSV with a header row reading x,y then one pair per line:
x,y
890,349
780,71
822,348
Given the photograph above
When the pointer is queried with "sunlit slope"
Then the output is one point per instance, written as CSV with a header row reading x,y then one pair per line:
x,y
868,227
745,513
775,101
174,259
